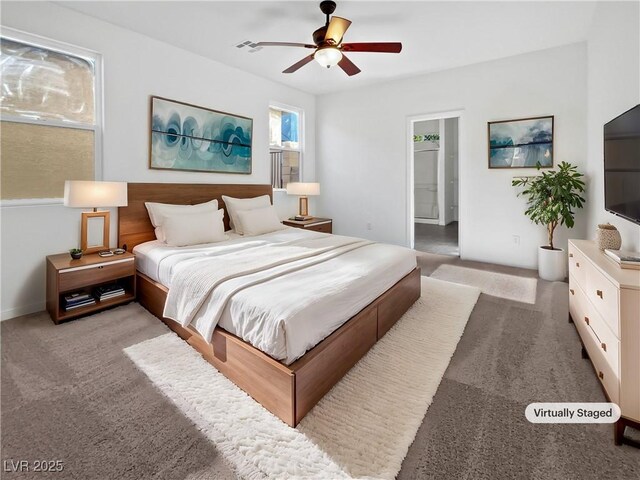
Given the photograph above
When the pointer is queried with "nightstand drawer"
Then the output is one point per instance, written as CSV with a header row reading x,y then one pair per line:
x,y
322,227
74,278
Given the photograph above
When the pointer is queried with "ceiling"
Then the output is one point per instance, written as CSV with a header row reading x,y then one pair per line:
x,y
435,35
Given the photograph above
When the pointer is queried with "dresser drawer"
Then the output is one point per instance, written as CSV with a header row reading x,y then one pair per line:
x,y
607,342
79,277
576,300
577,265
605,373
603,295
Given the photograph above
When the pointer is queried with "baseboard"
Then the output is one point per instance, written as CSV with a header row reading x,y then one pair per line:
x,y
23,310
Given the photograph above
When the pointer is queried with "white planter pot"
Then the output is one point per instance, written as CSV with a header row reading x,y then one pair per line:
x,y
552,264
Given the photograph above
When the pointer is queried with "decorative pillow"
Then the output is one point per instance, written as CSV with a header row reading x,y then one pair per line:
x,y
235,205
183,229
259,221
159,211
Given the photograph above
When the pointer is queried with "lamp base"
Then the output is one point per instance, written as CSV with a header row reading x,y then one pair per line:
x,y
303,207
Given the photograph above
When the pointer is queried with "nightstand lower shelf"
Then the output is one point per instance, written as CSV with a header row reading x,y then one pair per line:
x,y
64,315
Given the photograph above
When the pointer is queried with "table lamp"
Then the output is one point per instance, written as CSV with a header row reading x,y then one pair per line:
x,y
303,190
89,194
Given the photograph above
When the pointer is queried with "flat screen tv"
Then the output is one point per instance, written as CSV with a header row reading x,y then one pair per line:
x,y
622,165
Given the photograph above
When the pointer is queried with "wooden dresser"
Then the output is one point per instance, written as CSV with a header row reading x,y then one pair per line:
x,y
604,304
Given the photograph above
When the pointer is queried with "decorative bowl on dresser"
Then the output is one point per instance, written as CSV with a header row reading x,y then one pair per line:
x,y
604,305
67,278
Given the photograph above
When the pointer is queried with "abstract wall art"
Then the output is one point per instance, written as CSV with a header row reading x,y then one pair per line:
x,y
188,137
522,143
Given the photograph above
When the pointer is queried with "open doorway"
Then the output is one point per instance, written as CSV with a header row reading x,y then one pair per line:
x,y
434,166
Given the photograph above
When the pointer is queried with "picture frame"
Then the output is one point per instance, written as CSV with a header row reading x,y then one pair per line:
x,y
188,137
521,143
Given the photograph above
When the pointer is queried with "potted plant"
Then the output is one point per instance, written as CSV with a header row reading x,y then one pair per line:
x,y
551,200
75,253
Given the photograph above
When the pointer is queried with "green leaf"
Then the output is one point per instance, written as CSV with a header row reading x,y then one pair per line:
x,y
552,196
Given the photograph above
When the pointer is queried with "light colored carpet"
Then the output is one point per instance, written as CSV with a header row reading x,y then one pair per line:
x,y
501,285
356,431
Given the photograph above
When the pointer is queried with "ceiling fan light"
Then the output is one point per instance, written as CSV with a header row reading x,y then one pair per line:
x,y
328,56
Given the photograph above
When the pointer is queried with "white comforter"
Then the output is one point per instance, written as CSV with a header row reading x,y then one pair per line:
x,y
282,292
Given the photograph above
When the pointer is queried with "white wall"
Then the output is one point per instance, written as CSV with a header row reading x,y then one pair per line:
x,y
613,87
362,142
135,67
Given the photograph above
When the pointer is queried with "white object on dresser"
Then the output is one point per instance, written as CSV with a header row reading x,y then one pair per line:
x,y
626,259
604,304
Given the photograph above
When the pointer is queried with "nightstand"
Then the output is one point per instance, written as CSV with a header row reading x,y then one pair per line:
x,y
324,225
66,276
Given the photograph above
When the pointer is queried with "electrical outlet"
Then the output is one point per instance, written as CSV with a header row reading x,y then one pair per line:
x,y
369,226
516,239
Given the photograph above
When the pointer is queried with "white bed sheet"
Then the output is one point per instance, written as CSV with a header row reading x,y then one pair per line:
x,y
289,315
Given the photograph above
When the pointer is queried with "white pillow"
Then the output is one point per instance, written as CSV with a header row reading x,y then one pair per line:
x,y
236,205
194,228
159,211
259,221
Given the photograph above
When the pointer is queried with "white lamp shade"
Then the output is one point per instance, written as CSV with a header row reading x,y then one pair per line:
x,y
304,189
87,194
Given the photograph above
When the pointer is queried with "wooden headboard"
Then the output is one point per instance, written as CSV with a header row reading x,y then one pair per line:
x,y
134,226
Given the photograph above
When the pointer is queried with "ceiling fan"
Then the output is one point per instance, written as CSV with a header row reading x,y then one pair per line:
x,y
329,49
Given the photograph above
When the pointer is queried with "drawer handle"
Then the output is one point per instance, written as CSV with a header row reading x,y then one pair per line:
x,y
571,255
101,266
586,320
578,264
573,292
604,346
599,293
601,375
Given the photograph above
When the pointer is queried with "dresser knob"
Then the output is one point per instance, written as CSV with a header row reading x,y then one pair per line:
x,y
601,375
573,292
604,346
599,293
578,264
586,320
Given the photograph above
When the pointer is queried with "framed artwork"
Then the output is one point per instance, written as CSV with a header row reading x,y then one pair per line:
x,y
521,143
189,137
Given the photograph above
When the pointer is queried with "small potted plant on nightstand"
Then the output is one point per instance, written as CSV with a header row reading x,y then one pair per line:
x,y
551,200
75,253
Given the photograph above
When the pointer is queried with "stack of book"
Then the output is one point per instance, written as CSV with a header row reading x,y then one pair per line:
x,y
105,292
77,300
625,259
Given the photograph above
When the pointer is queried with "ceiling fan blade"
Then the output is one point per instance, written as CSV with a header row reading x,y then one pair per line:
x,y
382,47
299,64
335,30
284,44
348,66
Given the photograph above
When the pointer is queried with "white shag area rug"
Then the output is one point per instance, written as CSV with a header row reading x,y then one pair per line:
x,y
501,285
361,429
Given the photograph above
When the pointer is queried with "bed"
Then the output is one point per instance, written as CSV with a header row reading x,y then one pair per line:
x,y
307,350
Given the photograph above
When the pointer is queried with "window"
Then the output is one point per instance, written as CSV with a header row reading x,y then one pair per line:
x,y
50,131
285,142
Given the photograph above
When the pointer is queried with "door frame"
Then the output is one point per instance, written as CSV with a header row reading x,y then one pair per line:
x,y
410,210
